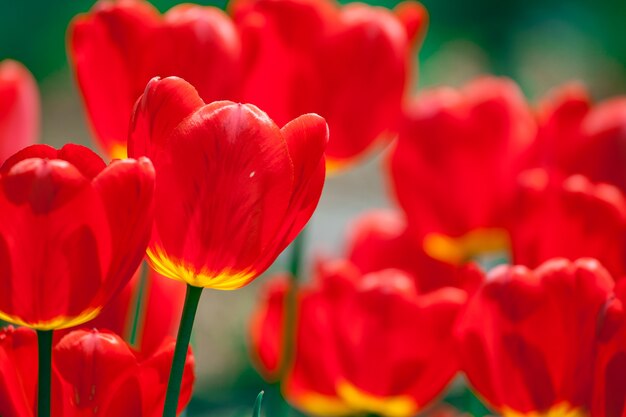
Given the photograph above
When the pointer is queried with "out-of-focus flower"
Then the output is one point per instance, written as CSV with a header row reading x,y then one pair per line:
x,y
379,239
233,189
571,218
120,45
528,337
75,233
609,395
455,164
350,64
158,315
19,108
578,137
364,342
94,373
18,372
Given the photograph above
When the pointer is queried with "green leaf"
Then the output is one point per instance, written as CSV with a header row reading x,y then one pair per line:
x,y
256,412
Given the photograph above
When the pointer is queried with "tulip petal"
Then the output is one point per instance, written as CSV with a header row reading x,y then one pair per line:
x,y
19,108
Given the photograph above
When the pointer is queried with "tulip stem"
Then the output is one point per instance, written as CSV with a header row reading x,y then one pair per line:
x,y
295,261
44,342
291,305
192,299
139,305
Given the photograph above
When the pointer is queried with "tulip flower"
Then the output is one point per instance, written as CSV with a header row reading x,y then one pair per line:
x,y
455,164
19,108
350,64
365,343
124,44
577,136
94,374
379,239
609,394
527,337
232,188
570,218
75,232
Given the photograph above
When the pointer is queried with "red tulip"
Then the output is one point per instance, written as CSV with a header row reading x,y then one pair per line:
x,y
349,64
18,372
609,395
119,46
572,218
75,233
158,317
364,343
380,240
455,164
94,374
579,137
528,337
19,108
233,190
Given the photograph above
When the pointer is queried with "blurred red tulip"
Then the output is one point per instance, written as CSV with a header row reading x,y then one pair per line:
x,y
364,343
162,301
570,218
609,395
119,46
76,232
19,108
350,64
379,239
455,163
577,136
233,190
94,373
18,372
528,337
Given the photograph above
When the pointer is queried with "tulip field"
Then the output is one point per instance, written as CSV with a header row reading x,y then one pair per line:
x,y
328,208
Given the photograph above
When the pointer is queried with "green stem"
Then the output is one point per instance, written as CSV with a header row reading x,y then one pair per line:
x,y
139,304
295,260
44,341
180,353
291,304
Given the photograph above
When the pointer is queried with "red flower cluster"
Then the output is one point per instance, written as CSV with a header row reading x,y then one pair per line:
x,y
477,171
374,333
94,373
290,57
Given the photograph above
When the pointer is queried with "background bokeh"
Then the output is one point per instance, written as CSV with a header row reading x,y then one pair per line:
x,y
538,43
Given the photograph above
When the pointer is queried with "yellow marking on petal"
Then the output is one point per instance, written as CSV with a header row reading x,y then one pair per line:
x,y
563,409
395,406
457,250
177,269
321,405
60,322
118,151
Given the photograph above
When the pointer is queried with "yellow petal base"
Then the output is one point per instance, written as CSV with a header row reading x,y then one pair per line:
x,y
457,250
352,401
560,410
321,405
60,322
118,151
398,406
177,269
